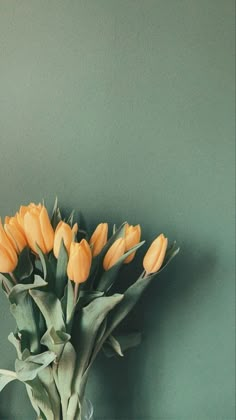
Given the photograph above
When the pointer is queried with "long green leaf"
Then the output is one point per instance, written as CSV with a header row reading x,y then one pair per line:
x,y
26,314
90,319
50,307
65,375
28,369
41,399
48,271
61,271
131,297
119,343
56,215
24,267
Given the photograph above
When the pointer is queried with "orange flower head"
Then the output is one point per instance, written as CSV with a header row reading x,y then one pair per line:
x,y
15,233
8,255
155,255
66,233
99,238
37,227
114,253
80,260
132,238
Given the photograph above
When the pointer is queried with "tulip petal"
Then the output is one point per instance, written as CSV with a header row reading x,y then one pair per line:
x,y
33,232
46,229
8,260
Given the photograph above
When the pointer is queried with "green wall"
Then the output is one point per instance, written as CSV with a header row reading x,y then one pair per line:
x,y
125,110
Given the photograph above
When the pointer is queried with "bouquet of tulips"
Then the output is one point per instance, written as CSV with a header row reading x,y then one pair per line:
x,y
59,282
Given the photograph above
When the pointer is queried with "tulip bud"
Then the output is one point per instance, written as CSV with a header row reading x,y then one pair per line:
x,y
155,255
37,227
79,263
99,238
132,238
66,233
114,253
8,256
15,233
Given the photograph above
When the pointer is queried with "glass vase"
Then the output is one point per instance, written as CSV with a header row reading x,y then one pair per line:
x,y
87,410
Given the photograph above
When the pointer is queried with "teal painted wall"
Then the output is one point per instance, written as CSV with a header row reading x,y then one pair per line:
x,y
125,109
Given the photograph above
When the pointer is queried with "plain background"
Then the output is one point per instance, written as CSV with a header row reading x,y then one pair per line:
x,y
125,110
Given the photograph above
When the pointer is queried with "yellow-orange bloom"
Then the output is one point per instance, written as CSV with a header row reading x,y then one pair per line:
x,y
23,210
114,253
37,227
8,255
66,233
155,255
132,238
99,238
15,233
80,260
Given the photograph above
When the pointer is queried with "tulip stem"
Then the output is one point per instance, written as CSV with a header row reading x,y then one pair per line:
x,y
13,278
76,289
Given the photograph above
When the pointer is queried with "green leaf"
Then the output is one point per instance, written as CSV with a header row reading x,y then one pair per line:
x,y
108,278
41,399
24,267
56,215
65,375
21,288
89,321
171,252
6,376
46,378
28,369
15,340
55,340
113,344
120,343
50,307
26,314
87,296
131,297
70,219
48,273
73,410
61,271
7,283
70,307
67,303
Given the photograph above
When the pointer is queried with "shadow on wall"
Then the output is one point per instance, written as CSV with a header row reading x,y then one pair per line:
x,y
6,396
174,288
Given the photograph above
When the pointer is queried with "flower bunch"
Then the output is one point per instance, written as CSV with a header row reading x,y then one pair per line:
x,y
58,280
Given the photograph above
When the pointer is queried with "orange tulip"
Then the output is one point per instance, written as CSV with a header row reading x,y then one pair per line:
x,y
155,255
37,227
66,233
132,238
99,238
114,253
23,210
15,233
8,255
80,259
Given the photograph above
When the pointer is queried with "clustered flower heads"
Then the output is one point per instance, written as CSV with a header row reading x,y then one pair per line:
x,y
31,227
64,291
